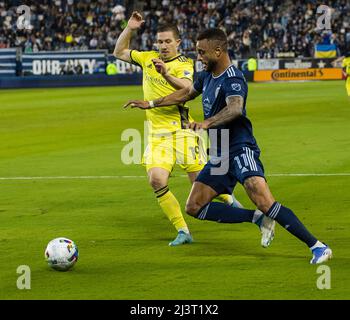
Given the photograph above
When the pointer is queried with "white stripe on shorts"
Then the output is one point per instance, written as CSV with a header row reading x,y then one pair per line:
x,y
203,214
250,157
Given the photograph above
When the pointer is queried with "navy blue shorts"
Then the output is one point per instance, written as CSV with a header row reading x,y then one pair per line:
x,y
223,176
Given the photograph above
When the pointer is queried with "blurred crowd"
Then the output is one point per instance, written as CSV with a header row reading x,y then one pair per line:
x,y
264,29
63,24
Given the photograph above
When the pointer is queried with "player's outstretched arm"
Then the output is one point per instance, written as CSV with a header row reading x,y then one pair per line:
x,y
177,97
121,50
337,61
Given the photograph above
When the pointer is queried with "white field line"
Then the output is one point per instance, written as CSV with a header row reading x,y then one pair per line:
x,y
144,176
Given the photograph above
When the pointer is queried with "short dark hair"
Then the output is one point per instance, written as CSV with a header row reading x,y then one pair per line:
x,y
169,27
214,34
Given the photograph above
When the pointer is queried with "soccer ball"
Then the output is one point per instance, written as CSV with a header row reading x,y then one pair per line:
x,y
61,254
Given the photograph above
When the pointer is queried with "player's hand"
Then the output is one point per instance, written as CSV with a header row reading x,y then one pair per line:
x,y
137,104
135,21
196,126
160,66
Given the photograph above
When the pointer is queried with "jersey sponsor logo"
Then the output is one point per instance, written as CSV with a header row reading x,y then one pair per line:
x,y
156,80
236,86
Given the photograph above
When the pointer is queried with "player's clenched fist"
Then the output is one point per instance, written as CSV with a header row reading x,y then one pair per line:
x,y
160,66
135,20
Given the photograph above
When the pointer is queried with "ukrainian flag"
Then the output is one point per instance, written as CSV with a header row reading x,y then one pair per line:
x,y
325,51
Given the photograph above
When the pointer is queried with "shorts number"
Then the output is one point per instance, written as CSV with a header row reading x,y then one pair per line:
x,y
195,151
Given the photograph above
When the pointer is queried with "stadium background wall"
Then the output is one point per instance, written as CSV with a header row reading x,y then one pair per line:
x,y
87,68
70,81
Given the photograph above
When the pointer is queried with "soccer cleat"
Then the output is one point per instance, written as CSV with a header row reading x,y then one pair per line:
x,y
320,255
267,229
182,238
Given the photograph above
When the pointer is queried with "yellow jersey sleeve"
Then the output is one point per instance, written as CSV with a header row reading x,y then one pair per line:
x,y
138,57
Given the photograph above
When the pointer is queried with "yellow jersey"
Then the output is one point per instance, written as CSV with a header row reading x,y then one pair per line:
x,y
346,65
169,118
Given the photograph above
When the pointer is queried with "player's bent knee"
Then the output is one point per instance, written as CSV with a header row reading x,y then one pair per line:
x,y
158,178
252,184
259,193
192,208
157,183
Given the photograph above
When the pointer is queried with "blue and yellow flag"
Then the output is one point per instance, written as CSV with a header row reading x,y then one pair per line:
x,y
325,51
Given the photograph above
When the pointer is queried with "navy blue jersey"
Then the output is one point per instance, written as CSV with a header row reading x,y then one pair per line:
x,y
215,91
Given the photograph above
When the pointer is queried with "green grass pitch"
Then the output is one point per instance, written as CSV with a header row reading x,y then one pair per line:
x,y
121,233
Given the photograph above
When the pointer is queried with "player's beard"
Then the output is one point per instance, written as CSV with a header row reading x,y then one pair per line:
x,y
210,65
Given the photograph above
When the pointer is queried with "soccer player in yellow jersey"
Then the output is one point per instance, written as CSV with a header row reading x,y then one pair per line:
x,y
165,71
345,63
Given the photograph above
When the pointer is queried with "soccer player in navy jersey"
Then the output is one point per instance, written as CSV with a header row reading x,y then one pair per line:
x,y
224,94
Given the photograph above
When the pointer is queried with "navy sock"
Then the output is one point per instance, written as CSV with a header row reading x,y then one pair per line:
x,y
288,220
222,212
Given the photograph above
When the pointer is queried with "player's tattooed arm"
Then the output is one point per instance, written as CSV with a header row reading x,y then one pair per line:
x,y
233,109
177,97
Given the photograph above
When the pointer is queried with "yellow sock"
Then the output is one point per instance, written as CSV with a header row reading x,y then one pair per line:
x,y
226,198
171,208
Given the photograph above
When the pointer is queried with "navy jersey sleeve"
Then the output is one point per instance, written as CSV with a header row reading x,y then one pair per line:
x,y
235,87
198,84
